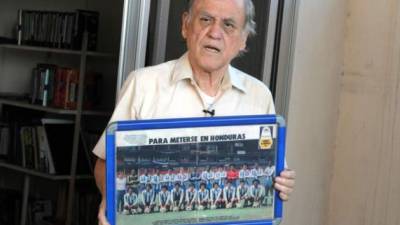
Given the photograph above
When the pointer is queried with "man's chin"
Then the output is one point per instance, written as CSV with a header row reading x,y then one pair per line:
x,y
211,66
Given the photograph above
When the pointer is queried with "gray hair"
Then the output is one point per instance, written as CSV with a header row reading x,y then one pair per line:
x,y
250,24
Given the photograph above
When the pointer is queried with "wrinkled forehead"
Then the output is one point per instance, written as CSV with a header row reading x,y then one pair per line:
x,y
224,9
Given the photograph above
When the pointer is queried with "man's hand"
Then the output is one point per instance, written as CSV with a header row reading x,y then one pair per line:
x,y
99,174
285,183
102,213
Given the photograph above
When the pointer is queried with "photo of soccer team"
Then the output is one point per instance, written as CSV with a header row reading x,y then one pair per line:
x,y
227,179
154,190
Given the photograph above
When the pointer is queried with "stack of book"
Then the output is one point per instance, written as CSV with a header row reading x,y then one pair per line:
x,y
4,140
57,29
46,146
58,87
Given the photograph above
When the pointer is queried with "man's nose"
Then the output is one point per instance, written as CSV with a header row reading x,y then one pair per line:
x,y
215,31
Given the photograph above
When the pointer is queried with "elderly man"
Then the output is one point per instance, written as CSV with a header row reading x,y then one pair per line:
x,y
201,82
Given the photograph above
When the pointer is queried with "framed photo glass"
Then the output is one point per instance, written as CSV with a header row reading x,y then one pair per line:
x,y
214,170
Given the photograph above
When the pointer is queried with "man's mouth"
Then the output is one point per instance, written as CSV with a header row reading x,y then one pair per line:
x,y
212,48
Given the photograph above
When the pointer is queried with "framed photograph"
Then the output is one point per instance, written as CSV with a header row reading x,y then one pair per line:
x,y
214,170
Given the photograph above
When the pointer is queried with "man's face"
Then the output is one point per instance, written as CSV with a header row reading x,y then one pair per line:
x,y
214,33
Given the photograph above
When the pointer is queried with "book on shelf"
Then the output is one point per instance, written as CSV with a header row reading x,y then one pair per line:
x,y
46,162
86,21
72,94
58,87
15,154
57,29
28,147
65,86
43,84
4,140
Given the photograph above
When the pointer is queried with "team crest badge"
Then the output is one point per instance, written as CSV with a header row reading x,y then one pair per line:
x,y
265,141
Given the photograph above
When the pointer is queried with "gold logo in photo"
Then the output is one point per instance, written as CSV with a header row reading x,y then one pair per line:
x,y
265,141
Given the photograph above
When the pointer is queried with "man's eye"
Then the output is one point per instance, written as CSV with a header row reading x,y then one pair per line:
x,y
205,19
229,25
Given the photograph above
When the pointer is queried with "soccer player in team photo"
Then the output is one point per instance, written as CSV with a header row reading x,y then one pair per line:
x,y
164,199
203,195
191,197
216,197
177,196
229,194
180,190
131,202
257,194
147,199
242,194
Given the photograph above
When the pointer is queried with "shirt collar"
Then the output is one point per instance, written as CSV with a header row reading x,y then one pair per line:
x,y
183,71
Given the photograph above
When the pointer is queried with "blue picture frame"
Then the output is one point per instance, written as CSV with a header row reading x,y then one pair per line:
x,y
188,123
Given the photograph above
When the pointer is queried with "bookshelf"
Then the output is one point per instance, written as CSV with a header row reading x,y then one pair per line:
x,y
57,50
24,104
25,56
72,177
41,174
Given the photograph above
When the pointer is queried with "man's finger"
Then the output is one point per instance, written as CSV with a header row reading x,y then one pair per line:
x,y
283,189
283,196
285,181
102,219
288,173
102,214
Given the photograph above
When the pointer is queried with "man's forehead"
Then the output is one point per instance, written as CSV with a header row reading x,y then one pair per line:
x,y
221,8
228,17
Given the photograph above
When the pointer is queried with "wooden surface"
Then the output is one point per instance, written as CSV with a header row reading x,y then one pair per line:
x,y
365,188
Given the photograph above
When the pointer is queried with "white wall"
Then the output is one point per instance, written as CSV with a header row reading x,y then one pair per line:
x,y
313,108
366,181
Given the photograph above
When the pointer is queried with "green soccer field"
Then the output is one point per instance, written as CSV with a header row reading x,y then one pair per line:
x,y
195,217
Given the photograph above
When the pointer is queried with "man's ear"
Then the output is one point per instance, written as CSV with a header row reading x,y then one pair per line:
x,y
185,18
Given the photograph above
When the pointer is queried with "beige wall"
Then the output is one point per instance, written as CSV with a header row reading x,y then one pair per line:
x,y
313,108
365,187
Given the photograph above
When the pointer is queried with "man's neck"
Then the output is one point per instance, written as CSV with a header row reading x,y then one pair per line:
x,y
208,82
